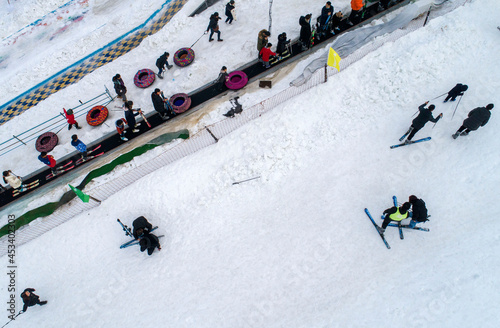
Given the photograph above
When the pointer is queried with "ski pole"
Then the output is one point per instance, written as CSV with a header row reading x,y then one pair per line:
x,y
238,182
437,121
439,96
456,107
198,39
13,318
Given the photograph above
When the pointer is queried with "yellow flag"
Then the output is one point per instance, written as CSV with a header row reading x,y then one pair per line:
x,y
334,59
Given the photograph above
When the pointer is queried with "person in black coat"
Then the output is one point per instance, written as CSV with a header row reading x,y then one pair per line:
x,y
149,242
213,26
477,117
457,90
222,79
161,104
161,62
326,16
130,116
283,42
30,299
305,31
419,211
229,13
423,117
141,225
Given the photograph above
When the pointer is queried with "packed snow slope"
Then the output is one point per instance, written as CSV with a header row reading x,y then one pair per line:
x,y
294,247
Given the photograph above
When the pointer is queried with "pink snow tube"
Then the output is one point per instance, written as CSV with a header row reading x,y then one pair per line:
x,y
144,78
46,142
180,102
236,80
183,57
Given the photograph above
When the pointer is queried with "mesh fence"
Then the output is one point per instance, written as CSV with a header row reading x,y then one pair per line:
x,y
207,136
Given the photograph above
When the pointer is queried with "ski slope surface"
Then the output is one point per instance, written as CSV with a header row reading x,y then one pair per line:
x,y
294,247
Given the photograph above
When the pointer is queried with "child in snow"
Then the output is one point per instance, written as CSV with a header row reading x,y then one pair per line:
x,y
265,55
149,242
70,117
161,62
394,213
49,161
120,88
13,180
30,299
79,145
141,225
120,128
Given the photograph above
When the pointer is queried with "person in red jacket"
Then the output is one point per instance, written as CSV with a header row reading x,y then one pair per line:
x,y
265,53
49,161
70,117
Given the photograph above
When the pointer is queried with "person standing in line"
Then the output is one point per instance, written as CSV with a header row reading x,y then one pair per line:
x,y
130,116
222,79
477,117
325,18
229,11
70,118
13,180
79,145
119,86
419,211
160,104
423,117
120,128
213,26
265,55
262,39
457,90
305,31
49,161
30,299
356,7
161,62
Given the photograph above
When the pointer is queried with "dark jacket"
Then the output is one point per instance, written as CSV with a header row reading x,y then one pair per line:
x,y
477,117
305,29
158,103
151,241
423,117
325,12
29,300
282,42
214,23
229,7
119,86
458,90
160,62
419,211
222,77
141,223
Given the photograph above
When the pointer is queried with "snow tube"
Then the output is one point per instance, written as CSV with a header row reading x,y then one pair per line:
x,y
180,102
236,80
46,142
183,57
97,115
144,78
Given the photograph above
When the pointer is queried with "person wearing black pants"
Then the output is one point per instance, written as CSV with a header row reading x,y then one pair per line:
x,y
149,242
423,117
229,13
477,117
394,213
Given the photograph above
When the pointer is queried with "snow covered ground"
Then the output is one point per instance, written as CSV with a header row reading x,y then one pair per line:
x,y
294,248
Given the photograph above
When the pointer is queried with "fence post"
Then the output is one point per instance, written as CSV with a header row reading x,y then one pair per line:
x,y
19,140
326,73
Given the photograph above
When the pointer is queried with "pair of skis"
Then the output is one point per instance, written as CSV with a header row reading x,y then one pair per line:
x,y
128,232
83,160
25,187
61,169
399,226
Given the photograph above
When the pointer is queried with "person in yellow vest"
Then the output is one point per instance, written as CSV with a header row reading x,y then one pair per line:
x,y
394,213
